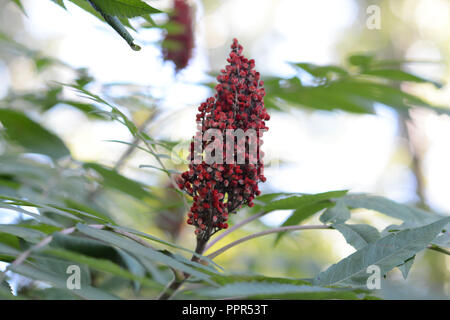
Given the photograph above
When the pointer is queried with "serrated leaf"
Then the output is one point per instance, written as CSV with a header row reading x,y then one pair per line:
x,y
358,235
31,135
386,253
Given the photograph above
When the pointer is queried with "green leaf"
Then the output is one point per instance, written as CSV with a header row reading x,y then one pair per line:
x,y
321,71
299,201
267,289
115,180
156,239
361,60
134,266
117,25
102,265
398,75
358,235
8,251
413,216
38,217
59,267
30,235
322,97
86,292
406,266
386,253
125,8
31,135
339,213
443,240
60,3
20,5
140,251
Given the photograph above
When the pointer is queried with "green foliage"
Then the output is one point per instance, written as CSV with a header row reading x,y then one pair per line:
x,y
125,8
116,13
386,253
31,135
71,212
358,235
356,91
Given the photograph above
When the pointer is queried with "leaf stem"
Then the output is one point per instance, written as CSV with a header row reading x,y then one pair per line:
x,y
176,283
263,233
235,227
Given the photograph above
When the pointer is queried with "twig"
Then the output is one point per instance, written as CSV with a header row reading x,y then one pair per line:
x,y
172,179
132,237
263,233
176,283
235,227
128,152
134,143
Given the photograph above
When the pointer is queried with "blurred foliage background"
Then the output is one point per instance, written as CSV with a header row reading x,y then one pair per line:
x,y
352,108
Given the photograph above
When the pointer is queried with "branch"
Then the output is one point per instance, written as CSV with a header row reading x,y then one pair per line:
x,y
235,227
263,233
176,283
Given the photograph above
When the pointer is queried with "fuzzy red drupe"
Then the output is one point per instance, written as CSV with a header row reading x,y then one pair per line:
x,y
219,189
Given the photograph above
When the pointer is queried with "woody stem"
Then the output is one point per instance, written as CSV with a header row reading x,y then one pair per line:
x,y
176,283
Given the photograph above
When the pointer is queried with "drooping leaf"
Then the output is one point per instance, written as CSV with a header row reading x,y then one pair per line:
x,y
115,23
31,135
139,250
398,75
113,179
298,201
339,213
30,235
406,266
102,265
358,235
86,292
386,253
125,8
321,71
413,216
20,5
